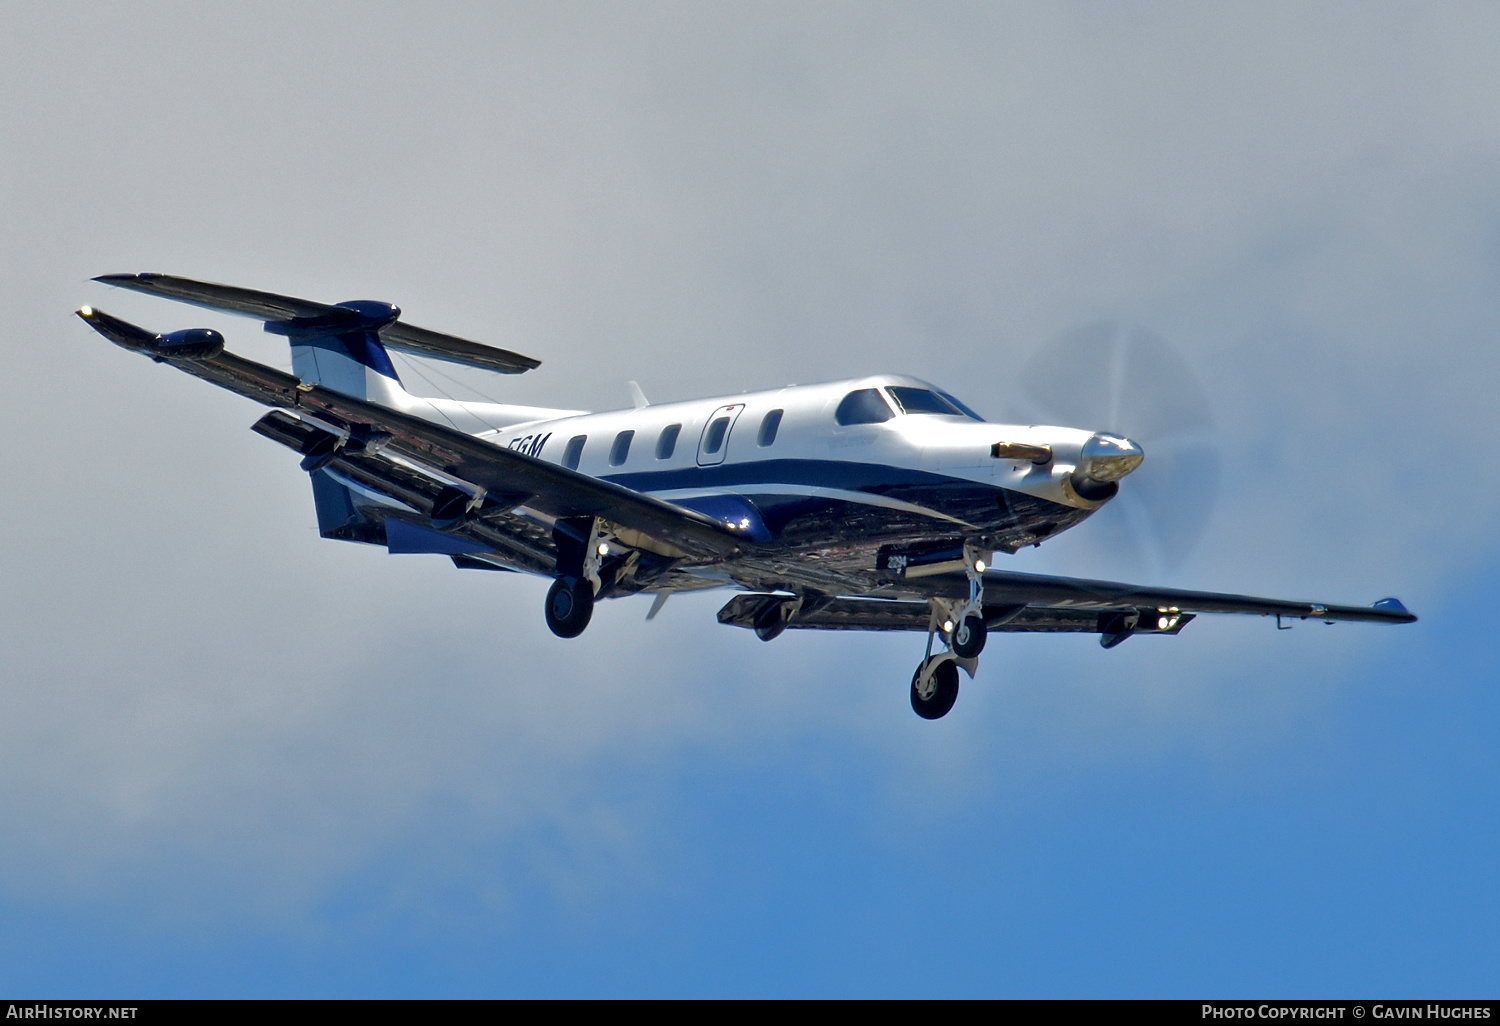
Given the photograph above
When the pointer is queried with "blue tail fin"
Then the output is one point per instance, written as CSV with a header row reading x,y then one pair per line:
x,y
342,351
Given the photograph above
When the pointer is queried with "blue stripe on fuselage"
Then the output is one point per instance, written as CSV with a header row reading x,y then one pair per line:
x,y
854,477
806,510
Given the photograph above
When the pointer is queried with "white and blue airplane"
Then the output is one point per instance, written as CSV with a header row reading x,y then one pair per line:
x,y
871,504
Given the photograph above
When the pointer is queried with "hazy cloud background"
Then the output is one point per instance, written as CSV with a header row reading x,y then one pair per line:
x,y
241,760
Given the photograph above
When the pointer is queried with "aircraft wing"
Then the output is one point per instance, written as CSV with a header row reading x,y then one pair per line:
x,y
366,428
281,312
1020,602
1007,588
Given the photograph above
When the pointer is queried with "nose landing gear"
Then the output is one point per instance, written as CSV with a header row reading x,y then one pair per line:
x,y
967,638
934,687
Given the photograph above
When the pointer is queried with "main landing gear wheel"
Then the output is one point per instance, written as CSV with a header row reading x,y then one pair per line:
x,y
934,701
968,637
570,604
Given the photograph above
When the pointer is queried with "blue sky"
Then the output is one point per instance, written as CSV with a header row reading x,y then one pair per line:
x,y
239,760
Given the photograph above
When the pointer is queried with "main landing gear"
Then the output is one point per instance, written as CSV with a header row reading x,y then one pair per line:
x,y
570,600
570,605
934,687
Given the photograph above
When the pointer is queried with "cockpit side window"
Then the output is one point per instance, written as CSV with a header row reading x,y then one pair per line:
x,y
863,406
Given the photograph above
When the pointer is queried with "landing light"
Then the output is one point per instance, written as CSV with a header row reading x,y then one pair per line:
x,y
603,549
947,626
979,566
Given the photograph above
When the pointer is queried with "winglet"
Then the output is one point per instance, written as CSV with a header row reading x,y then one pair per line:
x,y
121,333
1394,605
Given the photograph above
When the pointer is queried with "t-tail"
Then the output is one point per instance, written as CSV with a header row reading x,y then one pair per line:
x,y
344,347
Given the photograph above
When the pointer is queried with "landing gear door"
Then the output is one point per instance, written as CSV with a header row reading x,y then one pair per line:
x,y
714,442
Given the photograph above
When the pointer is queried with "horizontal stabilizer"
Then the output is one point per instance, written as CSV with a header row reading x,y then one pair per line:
x,y
283,314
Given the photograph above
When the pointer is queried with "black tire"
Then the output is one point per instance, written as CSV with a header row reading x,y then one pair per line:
x,y
770,623
570,605
944,694
968,637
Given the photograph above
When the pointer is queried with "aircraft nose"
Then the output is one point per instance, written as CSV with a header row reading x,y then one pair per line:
x,y
1107,458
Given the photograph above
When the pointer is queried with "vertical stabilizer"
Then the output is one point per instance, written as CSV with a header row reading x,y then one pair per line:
x,y
343,352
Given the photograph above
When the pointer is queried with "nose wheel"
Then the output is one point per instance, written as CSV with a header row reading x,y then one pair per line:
x,y
968,637
934,687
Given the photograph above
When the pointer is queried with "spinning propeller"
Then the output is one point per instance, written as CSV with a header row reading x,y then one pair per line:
x,y
1125,380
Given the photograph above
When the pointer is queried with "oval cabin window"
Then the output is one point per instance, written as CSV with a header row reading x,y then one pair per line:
x,y
715,437
620,451
768,428
666,442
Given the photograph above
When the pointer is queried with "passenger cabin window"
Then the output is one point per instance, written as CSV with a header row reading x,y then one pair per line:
x,y
863,407
666,442
714,438
574,452
768,426
922,400
621,449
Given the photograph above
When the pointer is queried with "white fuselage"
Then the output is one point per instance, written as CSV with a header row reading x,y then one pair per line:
x,y
952,447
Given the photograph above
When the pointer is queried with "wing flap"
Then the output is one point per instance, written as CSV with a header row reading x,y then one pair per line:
x,y
857,614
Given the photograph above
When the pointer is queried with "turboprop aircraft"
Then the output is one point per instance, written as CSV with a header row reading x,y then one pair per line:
x,y
872,504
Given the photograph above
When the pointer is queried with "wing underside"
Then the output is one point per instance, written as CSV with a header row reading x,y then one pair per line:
x,y
1019,603
863,614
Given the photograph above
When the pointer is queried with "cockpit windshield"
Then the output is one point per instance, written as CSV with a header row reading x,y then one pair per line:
x,y
923,400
